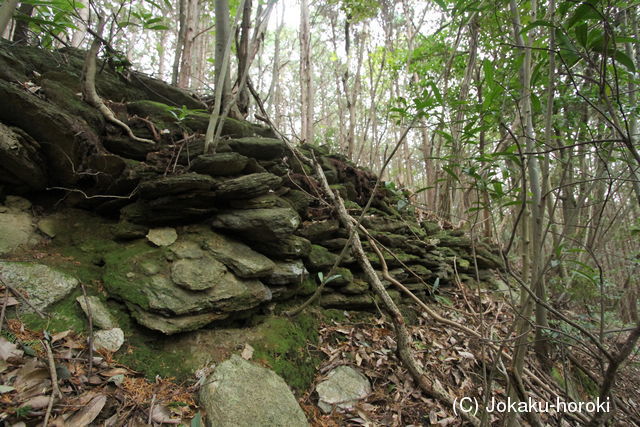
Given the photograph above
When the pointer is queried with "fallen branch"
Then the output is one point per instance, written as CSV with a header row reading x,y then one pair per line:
x,y
89,86
90,316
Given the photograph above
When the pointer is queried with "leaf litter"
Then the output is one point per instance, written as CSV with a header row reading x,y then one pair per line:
x,y
111,395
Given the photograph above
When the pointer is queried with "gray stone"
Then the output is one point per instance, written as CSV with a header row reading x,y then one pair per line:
x,y
287,272
240,393
219,164
41,284
198,274
244,261
100,315
342,389
164,236
259,224
109,339
248,186
16,229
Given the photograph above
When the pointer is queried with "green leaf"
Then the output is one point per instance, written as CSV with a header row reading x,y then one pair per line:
x,y
581,32
538,23
624,59
583,13
6,388
197,420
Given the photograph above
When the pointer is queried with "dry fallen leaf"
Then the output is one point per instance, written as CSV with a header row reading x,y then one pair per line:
x,y
247,352
9,350
160,414
86,415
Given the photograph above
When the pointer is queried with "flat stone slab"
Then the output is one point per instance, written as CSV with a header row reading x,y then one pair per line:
x,y
170,325
175,184
163,236
342,389
248,186
244,261
259,224
41,284
219,164
258,148
243,394
198,274
287,273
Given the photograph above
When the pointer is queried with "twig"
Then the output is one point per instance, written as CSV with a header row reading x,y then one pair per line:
x,y
90,316
23,298
153,401
55,390
4,307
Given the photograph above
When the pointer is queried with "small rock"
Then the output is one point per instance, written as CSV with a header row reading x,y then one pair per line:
x,y
164,236
343,387
110,340
100,315
48,226
287,272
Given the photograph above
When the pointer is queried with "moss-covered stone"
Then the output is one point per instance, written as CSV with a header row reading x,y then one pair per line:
x,y
219,164
320,258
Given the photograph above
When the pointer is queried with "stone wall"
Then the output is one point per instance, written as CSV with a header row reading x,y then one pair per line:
x,y
205,237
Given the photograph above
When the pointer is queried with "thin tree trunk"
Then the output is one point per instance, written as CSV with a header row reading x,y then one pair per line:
x,y
306,79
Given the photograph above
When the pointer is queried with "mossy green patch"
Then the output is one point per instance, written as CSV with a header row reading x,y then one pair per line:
x,y
284,348
118,265
61,316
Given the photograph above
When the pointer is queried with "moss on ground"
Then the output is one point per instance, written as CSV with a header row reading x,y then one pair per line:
x,y
61,316
284,348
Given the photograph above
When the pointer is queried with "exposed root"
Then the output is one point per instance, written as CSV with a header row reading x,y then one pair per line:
x,y
89,86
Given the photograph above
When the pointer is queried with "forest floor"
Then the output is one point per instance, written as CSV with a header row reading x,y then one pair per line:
x,y
104,392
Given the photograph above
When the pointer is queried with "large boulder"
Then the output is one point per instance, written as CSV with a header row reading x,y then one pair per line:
x,y
42,285
66,141
240,393
187,284
21,165
259,224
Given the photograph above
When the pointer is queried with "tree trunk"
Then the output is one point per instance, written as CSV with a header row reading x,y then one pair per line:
x,y
6,13
21,31
222,37
306,80
182,28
